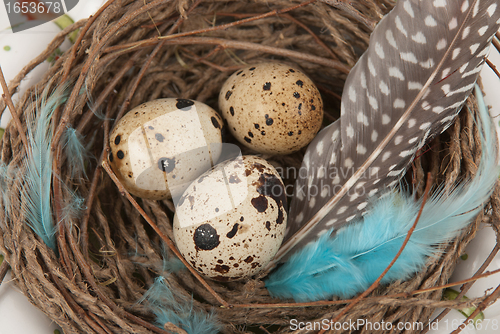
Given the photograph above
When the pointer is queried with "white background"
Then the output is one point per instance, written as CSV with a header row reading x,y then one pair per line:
x,y
17,315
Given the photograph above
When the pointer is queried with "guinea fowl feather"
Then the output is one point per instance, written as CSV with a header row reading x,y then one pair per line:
x,y
421,64
351,260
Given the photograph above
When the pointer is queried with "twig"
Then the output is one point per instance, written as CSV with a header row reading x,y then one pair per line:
x,y
236,23
493,67
297,22
481,307
174,329
69,62
141,73
202,60
10,104
329,91
57,200
377,281
350,10
496,41
316,38
72,56
74,305
61,233
137,80
4,267
230,44
86,67
214,51
262,328
109,88
323,303
148,61
164,237
95,179
466,285
99,321
87,272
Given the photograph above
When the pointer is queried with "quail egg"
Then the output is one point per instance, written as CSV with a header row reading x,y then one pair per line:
x,y
230,222
271,108
160,146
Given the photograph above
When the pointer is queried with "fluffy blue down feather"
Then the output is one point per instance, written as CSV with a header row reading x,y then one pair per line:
x,y
354,258
76,152
169,306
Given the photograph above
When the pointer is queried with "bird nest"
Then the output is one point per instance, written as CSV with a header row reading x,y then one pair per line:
x,y
130,52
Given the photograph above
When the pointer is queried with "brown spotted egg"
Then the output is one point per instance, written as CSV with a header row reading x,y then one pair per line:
x,y
230,222
271,108
160,146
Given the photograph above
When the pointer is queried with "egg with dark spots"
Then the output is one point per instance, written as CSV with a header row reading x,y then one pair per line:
x,y
244,235
160,146
276,97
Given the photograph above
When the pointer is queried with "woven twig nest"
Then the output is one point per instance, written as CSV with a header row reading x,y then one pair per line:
x,y
108,256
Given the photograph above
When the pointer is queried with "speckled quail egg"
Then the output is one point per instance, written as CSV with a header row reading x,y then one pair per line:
x,y
230,222
271,108
160,146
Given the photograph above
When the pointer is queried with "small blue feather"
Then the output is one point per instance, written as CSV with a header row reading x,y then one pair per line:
x,y
74,205
97,111
76,153
172,264
35,192
170,306
354,258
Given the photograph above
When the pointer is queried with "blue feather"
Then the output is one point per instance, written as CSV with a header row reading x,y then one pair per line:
x,y
76,152
74,207
171,264
353,259
170,306
97,111
35,192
